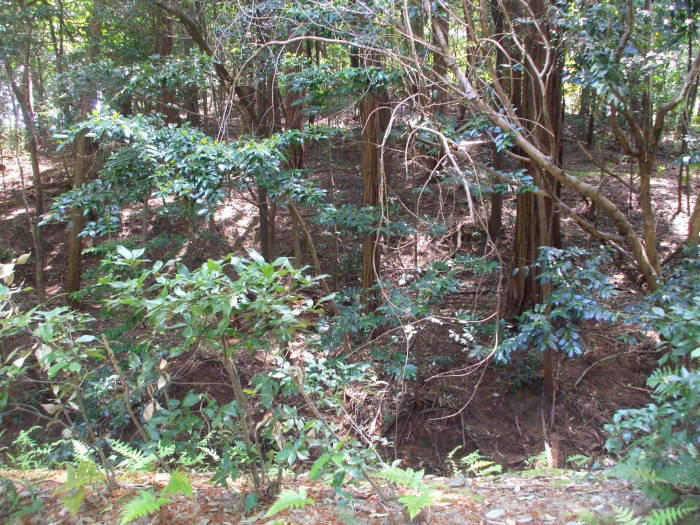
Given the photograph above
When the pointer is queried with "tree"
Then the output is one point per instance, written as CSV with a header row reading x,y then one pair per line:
x,y
18,47
84,151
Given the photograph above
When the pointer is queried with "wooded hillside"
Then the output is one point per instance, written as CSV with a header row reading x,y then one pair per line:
x,y
360,242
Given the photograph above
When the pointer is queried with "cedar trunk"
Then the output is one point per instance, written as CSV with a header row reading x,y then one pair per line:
x,y
537,222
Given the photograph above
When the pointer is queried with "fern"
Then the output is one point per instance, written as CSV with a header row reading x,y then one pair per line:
x,y
667,516
404,477
670,515
288,499
143,505
178,484
134,459
579,460
147,502
625,516
79,477
415,503
81,450
477,465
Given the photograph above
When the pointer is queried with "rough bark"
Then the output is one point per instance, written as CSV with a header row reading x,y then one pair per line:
x,y
371,122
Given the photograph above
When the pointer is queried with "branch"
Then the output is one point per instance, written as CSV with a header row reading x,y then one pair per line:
x,y
602,167
196,35
628,31
665,108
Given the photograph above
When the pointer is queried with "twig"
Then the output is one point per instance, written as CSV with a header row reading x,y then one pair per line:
x,y
127,399
583,374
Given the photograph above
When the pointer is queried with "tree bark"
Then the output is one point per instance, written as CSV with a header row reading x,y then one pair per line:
x,y
84,150
164,48
537,222
371,122
23,94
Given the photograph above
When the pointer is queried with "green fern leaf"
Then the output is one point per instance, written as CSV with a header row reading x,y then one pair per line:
x,y
288,499
85,473
144,504
74,500
625,516
81,450
404,477
178,484
415,503
134,459
669,516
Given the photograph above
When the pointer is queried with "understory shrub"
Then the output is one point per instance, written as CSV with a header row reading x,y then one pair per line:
x,y
95,384
660,443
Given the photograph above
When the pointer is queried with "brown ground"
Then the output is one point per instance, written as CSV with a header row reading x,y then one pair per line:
x,y
535,497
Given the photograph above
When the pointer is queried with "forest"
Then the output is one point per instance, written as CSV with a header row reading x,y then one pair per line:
x,y
332,261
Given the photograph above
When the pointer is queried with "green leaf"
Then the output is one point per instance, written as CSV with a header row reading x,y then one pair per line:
x,y
415,503
178,484
73,501
124,252
317,467
288,499
144,504
251,501
404,477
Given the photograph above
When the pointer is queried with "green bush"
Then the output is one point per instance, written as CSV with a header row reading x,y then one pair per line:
x,y
660,442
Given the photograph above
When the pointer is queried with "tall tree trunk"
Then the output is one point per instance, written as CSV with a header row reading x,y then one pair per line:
x,y
265,127
84,151
164,48
495,222
23,94
537,224
371,122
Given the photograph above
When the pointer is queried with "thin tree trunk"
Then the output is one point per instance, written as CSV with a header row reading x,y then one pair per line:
x,y
370,120
164,48
84,150
23,94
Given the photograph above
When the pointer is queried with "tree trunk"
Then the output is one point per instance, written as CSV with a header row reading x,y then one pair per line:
x,y
84,150
371,122
164,48
537,223
23,94
495,222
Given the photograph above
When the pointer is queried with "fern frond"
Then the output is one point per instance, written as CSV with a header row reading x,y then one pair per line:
x,y
625,516
670,515
478,465
288,499
415,503
81,450
73,501
144,504
85,473
404,477
134,459
178,484
210,452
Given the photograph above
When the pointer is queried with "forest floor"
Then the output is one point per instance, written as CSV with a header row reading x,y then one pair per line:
x,y
555,497
498,410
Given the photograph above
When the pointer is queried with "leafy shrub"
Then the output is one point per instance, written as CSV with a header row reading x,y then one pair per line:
x,y
660,441
578,289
